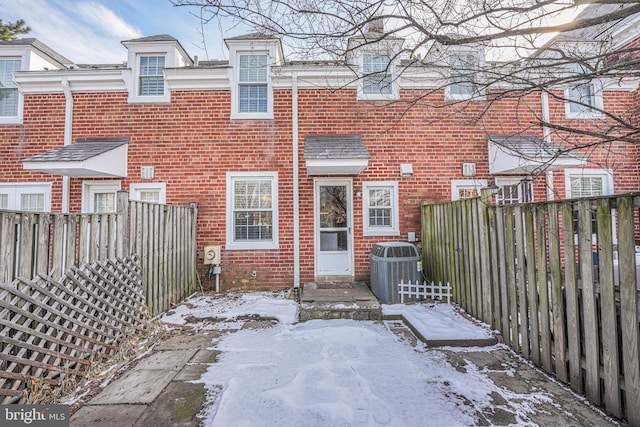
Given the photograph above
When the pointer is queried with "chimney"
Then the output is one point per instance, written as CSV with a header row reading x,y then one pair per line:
x,y
376,26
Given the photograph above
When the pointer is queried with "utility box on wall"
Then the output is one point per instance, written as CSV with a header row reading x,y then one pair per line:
x,y
212,255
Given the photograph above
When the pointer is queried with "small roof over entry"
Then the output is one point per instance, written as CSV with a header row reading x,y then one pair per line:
x,y
526,154
86,158
335,154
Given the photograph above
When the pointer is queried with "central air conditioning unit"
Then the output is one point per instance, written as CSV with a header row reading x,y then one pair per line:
x,y
391,263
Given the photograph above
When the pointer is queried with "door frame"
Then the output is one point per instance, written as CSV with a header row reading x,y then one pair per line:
x,y
348,182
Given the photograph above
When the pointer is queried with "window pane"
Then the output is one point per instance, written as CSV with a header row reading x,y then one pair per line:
x,y
8,91
253,98
32,202
253,68
463,69
379,197
380,217
586,186
582,94
104,202
151,78
252,206
253,225
151,196
377,78
4,201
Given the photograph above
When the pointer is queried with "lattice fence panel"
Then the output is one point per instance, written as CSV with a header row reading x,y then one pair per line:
x,y
54,329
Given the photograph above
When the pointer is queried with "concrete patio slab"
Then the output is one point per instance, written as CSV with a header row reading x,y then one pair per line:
x,y
179,342
107,416
177,406
172,360
137,386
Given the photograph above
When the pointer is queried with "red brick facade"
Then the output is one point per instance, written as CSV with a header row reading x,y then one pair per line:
x,y
193,142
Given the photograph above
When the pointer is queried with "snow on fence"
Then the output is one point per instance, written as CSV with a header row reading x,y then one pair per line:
x,y
424,290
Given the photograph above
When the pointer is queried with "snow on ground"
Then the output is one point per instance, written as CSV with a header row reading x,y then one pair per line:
x,y
196,311
338,372
439,321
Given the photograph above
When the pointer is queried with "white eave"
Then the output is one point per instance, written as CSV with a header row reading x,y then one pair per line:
x,y
79,80
335,166
71,160
193,78
507,161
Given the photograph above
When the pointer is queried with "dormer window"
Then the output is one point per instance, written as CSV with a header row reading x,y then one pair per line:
x,y
462,76
376,75
9,96
584,98
151,79
253,83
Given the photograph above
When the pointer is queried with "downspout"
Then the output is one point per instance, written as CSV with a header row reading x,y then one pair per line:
x,y
68,123
296,178
546,137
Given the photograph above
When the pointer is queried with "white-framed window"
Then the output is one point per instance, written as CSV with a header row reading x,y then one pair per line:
x,y
380,209
253,95
99,196
377,77
463,72
513,190
9,96
152,192
583,98
588,182
466,188
252,210
151,75
35,197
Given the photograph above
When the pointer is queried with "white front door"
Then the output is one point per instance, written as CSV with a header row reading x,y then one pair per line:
x,y
333,221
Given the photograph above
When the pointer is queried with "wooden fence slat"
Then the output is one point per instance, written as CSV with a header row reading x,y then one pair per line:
x,y
532,284
485,262
25,253
543,287
503,283
59,242
510,257
72,241
521,282
589,303
7,246
495,272
42,244
629,308
608,313
571,342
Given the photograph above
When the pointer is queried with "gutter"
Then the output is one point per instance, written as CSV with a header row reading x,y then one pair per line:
x,y
296,181
68,123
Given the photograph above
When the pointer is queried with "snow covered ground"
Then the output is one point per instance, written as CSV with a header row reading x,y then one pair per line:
x,y
343,372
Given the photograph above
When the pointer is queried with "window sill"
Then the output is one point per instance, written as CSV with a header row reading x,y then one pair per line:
x,y
457,98
252,116
10,120
378,97
251,246
164,99
369,233
584,116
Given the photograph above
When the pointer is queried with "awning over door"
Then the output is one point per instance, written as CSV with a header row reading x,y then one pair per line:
x,y
86,158
335,154
526,154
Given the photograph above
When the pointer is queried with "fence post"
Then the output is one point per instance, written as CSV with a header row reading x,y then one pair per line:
x,y
122,209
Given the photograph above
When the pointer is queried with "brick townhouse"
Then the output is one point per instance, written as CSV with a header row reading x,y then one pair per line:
x,y
298,168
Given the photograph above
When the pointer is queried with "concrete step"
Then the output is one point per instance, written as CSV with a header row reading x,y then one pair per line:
x,y
352,300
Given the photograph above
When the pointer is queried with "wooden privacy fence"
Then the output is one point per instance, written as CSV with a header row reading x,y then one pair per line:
x,y
163,237
559,280
55,329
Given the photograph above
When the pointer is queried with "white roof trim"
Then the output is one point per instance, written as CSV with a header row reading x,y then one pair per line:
x,y
110,164
336,166
503,161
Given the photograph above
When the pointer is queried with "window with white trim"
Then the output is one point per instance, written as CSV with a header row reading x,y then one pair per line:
x,y
253,83
252,210
150,75
380,209
589,183
513,190
377,76
152,192
466,188
583,98
9,96
462,76
34,197
99,196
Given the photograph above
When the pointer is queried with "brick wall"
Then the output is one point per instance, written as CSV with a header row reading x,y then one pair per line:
x,y
193,144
